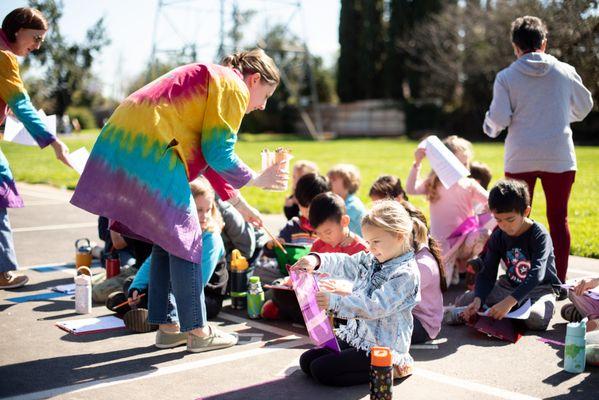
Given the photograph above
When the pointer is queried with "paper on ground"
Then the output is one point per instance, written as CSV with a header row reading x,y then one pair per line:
x,y
15,131
78,159
522,312
91,325
68,289
445,164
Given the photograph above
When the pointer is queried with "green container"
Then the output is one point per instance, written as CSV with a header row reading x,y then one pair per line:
x,y
294,253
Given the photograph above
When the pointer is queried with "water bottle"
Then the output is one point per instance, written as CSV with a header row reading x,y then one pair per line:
x,y
238,278
574,352
113,265
83,294
255,297
83,253
381,373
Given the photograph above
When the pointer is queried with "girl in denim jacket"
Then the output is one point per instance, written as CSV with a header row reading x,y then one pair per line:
x,y
379,309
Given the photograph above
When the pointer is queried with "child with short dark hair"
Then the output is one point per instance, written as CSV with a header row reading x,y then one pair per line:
x,y
345,181
387,187
331,224
481,173
300,168
526,248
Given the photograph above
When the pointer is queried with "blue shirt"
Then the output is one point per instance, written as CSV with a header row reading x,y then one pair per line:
x,y
356,211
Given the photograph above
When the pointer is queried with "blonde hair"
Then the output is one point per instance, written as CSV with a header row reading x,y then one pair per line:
x,y
254,61
201,187
306,166
391,217
463,150
349,173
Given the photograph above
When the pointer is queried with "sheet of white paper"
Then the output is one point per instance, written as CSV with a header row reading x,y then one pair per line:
x,y
593,293
445,164
14,130
523,312
84,325
78,159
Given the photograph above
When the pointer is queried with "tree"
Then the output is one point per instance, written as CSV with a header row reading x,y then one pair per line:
x,y
67,65
350,85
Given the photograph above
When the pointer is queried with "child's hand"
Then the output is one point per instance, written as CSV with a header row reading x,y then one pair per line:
x,y
306,263
134,299
500,310
584,285
472,309
419,154
271,243
335,286
322,299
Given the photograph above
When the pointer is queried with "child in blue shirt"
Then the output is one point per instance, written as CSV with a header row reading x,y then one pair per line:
x,y
345,182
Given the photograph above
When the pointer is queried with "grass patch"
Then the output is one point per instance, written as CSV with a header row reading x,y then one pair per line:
x,y
374,157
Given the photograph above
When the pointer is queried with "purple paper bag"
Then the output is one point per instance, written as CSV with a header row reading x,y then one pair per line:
x,y
318,324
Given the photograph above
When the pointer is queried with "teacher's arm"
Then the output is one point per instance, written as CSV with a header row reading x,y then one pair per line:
x,y
499,115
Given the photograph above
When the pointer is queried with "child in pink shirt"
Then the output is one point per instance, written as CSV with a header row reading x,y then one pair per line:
x,y
449,208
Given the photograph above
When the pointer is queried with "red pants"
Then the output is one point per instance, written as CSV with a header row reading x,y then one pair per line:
x,y
557,188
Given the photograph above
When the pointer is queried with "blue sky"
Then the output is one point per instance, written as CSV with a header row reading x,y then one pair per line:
x,y
130,26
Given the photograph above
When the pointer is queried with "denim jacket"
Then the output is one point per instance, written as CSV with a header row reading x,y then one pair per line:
x,y
379,309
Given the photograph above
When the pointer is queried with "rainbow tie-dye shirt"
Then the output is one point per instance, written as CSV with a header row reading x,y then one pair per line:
x,y
14,96
158,140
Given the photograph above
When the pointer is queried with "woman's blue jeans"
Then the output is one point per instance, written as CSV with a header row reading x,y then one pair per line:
x,y
184,278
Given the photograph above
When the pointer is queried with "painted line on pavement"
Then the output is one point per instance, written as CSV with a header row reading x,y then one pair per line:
x,y
583,271
259,325
161,371
471,386
55,227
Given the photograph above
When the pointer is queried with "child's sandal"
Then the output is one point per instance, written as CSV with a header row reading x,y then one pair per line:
x,y
400,372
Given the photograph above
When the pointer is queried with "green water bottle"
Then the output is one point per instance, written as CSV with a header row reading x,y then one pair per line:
x,y
574,352
255,297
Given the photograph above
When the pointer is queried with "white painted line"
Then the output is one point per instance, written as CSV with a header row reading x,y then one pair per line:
x,y
56,227
423,347
259,325
583,271
44,203
117,380
471,386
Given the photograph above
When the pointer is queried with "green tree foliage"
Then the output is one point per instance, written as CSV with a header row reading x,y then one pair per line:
x,y
350,83
68,77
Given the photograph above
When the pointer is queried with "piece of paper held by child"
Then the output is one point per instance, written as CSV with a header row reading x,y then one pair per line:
x,y
318,324
14,130
78,159
91,325
68,289
445,164
593,293
522,312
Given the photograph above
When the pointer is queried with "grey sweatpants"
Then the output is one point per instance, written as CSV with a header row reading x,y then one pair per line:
x,y
8,258
542,298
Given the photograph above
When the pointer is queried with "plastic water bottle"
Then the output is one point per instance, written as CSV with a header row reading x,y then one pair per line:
x,y
574,352
381,373
255,297
238,279
83,294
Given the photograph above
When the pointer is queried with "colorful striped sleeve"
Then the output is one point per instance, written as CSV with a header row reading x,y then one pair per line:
x,y
14,94
225,107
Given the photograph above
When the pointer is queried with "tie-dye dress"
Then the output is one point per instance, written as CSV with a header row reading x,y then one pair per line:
x,y
158,140
14,96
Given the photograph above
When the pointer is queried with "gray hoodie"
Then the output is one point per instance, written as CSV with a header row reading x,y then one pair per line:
x,y
536,98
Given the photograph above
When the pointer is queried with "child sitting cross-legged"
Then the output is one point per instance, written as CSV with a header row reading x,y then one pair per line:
x,y
526,248
379,309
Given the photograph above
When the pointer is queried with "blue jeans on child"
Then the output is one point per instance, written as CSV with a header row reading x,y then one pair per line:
x,y
184,278
8,258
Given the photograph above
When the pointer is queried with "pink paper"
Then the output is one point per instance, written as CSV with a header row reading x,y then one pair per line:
x,y
318,324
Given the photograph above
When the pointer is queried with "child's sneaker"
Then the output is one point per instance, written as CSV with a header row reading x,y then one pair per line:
x,y
453,316
137,321
570,313
216,340
168,340
8,280
402,372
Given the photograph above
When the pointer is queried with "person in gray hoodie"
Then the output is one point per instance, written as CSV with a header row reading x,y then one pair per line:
x,y
536,98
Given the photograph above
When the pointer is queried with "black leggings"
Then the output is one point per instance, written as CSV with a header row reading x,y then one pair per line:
x,y
419,334
350,367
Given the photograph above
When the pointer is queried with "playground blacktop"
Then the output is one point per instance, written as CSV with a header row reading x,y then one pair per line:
x,y
39,360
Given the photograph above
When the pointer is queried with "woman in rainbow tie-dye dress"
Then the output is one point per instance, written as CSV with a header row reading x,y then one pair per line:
x,y
23,30
158,140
